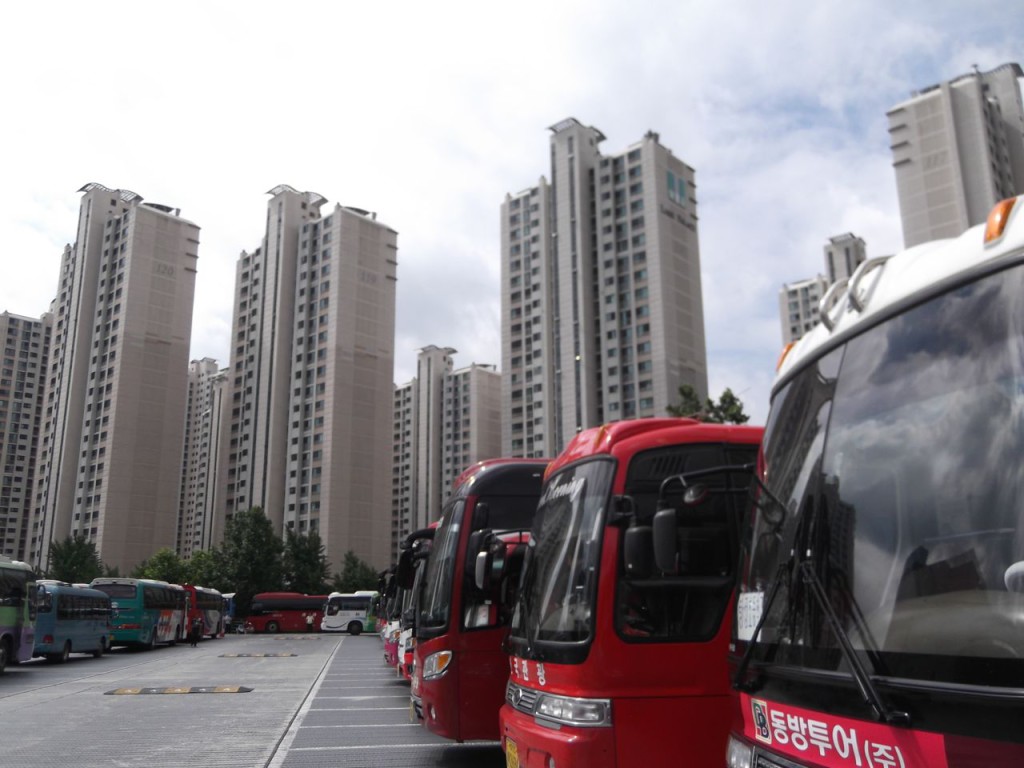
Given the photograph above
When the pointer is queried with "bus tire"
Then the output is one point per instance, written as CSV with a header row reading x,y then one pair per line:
x,y
354,627
272,626
152,640
65,653
98,653
5,653
175,636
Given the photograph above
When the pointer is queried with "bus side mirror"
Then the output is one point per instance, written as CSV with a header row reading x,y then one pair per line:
x,y
405,572
666,548
481,571
481,515
638,551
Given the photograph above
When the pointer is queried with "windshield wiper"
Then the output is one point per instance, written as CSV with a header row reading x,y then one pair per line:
x,y
860,675
795,565
805,569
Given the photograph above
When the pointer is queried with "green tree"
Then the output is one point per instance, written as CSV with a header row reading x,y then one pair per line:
x,y
251,557
728,409
75,560
163,565
689,405
206,568
304,564
355,574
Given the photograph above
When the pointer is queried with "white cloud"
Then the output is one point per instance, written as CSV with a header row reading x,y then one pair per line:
x,y
429,114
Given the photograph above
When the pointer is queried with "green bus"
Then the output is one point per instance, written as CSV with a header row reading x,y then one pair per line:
x,y
17,611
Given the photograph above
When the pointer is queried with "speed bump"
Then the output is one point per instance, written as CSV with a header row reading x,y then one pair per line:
x,y
174,689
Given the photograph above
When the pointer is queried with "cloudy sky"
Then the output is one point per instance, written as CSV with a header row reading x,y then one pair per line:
x,y
429,113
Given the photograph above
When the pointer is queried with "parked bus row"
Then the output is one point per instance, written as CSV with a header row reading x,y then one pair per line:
x,y
353,613
52,619
844,588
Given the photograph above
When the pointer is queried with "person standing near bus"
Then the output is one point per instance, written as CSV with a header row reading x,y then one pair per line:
x,y
309,622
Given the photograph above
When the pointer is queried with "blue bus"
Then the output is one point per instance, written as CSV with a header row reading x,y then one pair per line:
x,y
145,612
71,619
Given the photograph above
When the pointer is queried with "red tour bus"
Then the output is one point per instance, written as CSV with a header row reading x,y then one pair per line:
x,y
460,667
880,608
207,605
285,612
616,661
399,643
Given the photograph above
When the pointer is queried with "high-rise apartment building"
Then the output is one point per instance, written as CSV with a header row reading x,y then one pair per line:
x,y
472,420
445,420
109,461
798,302
958,148
204,418
602,314
24,345
307,436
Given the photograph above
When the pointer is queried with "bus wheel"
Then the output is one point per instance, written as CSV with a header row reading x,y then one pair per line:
x,y
175,636
152,640
272,626
101,650
354,627
65,653
5,654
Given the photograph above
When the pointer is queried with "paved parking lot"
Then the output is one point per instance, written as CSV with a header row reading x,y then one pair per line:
x,y
244,701
357,714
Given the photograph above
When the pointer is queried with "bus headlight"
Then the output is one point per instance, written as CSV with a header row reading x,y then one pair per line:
x,y
738,754
572,711
436,664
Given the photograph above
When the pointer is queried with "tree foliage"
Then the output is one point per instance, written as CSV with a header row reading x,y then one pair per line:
x,y
163,565
251,557
304,564
75,560
728,409
355,574
205,568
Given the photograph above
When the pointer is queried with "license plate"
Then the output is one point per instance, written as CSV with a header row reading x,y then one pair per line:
x,y
511,754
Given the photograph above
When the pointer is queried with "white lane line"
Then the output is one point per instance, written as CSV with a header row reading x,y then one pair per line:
x,y
283,746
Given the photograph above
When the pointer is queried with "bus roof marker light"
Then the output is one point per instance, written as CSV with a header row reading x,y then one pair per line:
x,y
782,356
997,220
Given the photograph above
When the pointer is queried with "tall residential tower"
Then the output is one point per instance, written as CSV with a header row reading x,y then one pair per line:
x,y
957,148
308,430
23,354
445,420
602,314
109,462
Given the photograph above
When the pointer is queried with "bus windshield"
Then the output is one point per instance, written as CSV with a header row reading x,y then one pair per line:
x,y
436,599
893,482
557,595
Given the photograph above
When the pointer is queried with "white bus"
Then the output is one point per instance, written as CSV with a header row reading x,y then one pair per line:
x,y
349,612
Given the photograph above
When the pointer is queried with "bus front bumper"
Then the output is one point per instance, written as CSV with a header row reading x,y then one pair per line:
x,y
528,743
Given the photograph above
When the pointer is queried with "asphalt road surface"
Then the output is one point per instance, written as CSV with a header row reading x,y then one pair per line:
x,y
245,701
